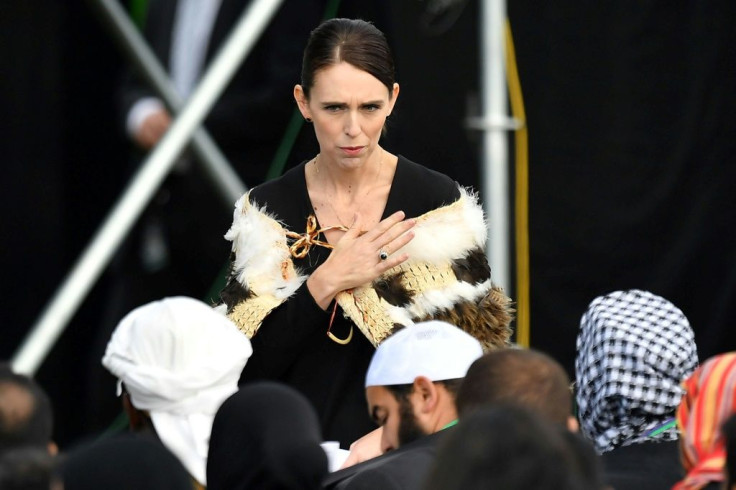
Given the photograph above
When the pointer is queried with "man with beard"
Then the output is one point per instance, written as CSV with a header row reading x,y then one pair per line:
x,y
410,388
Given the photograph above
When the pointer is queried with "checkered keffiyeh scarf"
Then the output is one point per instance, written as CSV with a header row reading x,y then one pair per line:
x,y
634,349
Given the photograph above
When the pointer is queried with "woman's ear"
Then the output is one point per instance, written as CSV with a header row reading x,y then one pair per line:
x,y
302,102
392,99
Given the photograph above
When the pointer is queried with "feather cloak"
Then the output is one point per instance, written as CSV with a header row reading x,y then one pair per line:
x,y
446,277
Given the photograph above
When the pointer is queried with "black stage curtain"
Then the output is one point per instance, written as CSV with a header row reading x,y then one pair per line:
x,y
632,141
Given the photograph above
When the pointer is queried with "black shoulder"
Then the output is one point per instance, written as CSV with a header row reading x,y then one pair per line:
x,y
279,188
422,189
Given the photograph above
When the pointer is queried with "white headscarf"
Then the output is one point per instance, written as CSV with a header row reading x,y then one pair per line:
x,y
179,360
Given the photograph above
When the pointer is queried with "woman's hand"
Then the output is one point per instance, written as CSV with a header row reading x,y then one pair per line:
x,y
356,259
365,448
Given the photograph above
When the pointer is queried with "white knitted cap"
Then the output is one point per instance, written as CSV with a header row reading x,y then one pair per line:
x,y
434,349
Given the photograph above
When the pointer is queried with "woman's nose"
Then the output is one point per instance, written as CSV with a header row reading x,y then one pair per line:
x,y
352,124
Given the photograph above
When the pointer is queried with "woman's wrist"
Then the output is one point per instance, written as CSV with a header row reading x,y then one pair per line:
x,y
321,288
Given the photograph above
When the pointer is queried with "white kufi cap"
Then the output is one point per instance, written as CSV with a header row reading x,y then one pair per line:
x,y
433,349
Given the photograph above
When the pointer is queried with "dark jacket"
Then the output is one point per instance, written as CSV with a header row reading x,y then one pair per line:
x,y
404,468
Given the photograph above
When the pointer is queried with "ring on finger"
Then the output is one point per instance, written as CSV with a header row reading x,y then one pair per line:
x,y
383,254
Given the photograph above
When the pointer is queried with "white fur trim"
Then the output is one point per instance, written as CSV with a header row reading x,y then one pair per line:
x,y
399,315
430,302
450,232
262,259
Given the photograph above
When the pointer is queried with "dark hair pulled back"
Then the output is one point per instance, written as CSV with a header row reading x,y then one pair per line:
x,y
353,41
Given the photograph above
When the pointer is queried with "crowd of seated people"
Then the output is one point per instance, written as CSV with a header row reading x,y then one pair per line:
x,y
641,413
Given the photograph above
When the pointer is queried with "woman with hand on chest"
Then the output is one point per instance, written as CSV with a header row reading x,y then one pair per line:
x,y
333,256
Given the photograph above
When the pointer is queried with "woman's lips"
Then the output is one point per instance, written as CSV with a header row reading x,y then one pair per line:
x,y
352,150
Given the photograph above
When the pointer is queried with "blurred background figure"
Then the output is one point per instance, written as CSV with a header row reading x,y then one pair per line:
x,y
26,415
124,462
634,349
709,400
266,436
177,360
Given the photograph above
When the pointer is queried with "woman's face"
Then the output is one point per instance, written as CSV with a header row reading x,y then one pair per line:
x,y
348,107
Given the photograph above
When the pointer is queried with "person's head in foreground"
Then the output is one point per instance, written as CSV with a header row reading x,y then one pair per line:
x,y
522,377
266,436
709,400
26,416
413,378
634,348
28,468
510,447
124,461
177,360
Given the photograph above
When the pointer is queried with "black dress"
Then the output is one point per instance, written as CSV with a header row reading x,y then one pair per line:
x,y
291,344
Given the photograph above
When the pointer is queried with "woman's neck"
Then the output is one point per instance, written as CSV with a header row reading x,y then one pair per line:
x,y
349,184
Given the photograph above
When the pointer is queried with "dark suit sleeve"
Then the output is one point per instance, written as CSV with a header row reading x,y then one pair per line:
x,y
157,32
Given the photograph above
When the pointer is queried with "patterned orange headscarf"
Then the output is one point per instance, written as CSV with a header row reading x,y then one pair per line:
x,y
709,400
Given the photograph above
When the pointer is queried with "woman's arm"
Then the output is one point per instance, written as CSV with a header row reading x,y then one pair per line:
x,y
283,334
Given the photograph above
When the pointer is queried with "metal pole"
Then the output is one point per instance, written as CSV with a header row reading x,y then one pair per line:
x,y
227,181
98,253
495,177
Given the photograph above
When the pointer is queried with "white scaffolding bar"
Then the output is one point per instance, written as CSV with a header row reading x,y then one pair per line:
x,y
495,123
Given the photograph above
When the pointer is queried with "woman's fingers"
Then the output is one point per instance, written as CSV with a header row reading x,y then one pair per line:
x,y
397,243
358,259
396,232
384,225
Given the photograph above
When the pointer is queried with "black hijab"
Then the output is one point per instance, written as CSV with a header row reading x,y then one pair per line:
x,y
265,436
122,462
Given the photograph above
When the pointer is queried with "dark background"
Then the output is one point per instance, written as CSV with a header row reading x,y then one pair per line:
x,y
630,109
